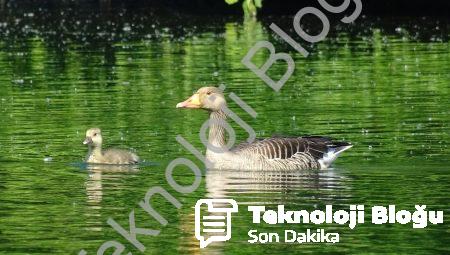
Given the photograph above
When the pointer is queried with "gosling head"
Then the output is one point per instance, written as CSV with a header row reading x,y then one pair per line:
x,y
208,98
93,137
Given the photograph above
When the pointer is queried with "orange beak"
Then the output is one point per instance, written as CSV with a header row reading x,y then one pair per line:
x,y
193,102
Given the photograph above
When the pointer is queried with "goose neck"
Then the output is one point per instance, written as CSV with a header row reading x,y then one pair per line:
x,y
95,150
217,130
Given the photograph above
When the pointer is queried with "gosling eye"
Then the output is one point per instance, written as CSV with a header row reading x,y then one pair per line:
x,y
95,134
208,93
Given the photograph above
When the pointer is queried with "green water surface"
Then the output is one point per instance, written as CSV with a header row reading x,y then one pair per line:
x,y
383,85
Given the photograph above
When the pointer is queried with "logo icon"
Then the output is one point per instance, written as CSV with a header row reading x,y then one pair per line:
x,y
213,220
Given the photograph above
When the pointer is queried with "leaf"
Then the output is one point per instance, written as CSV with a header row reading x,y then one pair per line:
x,y
258,3
231,1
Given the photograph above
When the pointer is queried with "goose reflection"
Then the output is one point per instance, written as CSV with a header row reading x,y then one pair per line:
x,y
100,172
97,174
266,188
273,185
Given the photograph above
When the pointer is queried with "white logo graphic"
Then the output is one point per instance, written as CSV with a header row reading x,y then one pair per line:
x,y
214,223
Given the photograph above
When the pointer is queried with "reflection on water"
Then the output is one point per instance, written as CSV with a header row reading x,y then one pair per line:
x,y
271,188
98,172
381,84
271,184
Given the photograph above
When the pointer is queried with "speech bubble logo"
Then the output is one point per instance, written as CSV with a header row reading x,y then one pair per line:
x,y
213,224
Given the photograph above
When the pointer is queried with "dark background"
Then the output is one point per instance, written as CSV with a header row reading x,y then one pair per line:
x,y
270,7
380,7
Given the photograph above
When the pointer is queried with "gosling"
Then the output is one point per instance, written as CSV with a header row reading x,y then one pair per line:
x,y
111,156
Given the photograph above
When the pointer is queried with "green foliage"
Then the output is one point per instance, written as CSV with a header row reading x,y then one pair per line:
x,y
250,7
231,1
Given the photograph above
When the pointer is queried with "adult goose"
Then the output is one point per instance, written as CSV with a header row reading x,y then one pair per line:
x,y
277,153
111,156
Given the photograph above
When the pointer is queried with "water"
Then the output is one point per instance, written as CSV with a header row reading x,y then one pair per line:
x,y
382,84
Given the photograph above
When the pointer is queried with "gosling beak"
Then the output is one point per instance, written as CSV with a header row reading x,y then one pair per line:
x,y
88,140
193,102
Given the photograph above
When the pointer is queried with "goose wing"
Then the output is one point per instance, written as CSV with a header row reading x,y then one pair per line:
x,y
118,156
287,147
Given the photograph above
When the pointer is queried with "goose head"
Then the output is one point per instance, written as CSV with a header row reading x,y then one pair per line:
x,y
207,98
93,137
